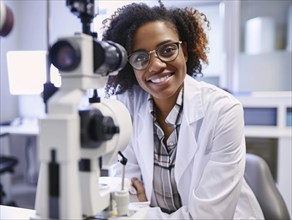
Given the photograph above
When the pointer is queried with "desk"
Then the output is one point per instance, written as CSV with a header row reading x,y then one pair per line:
x,y
14,213
21,129
7,213
30,130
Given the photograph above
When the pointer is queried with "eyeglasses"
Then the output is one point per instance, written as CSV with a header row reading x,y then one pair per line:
x,y
140,60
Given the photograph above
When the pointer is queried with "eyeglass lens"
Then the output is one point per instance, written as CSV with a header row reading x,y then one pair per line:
x,y
167,52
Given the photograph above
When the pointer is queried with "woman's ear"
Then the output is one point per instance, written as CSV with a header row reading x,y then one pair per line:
x,y
185,50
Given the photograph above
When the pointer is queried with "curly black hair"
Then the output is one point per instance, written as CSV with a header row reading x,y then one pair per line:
x,y
123,24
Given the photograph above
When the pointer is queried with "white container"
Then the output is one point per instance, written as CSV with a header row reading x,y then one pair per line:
x,y
122,202
260,35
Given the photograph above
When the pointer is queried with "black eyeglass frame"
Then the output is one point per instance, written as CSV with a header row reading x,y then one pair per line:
x,y
155,51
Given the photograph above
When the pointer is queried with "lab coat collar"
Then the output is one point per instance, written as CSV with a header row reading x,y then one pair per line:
x,y
193,105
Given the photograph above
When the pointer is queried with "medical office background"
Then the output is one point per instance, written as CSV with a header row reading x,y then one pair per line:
x,y
250,56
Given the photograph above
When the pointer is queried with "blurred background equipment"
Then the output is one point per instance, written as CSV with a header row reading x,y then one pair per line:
x,y
6,20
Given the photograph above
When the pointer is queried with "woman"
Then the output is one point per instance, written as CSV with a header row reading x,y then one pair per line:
x,y
187,151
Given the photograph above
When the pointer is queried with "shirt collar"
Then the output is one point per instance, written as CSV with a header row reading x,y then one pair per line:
x,y
174,116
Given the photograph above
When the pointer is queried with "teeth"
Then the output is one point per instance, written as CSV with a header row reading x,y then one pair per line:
x,y
158,80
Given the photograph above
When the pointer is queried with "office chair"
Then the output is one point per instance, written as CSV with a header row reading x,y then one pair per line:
x,y
7,164
259,178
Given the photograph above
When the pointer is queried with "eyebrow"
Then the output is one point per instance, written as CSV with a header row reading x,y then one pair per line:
x,y
158,45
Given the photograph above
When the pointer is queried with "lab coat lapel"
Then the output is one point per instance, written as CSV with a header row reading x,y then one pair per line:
x,y
146,148
186,149
187,143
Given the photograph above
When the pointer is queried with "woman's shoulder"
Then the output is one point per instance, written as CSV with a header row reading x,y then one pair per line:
x,y
209,99
134,98
210,92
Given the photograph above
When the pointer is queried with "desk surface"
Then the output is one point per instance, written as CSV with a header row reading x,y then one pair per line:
x,y
14,213
8,212
22,129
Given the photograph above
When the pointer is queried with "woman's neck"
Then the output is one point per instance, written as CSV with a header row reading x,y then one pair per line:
x,y
164,106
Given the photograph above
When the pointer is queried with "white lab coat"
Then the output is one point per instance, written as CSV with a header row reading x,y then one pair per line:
x,y
210,156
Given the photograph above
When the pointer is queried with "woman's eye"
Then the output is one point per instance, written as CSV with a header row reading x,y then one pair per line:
x,y
167,50
141,57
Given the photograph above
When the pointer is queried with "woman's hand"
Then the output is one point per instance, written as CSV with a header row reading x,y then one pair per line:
x,y
138,185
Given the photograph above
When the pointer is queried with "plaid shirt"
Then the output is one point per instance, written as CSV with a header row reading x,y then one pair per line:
x,y
165,194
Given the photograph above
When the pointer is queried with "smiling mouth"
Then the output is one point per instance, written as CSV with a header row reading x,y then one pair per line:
x,y
160,79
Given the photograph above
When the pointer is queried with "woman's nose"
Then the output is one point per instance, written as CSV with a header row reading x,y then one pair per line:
x,y
156,64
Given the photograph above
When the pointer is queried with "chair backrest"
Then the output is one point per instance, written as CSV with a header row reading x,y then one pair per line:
x,y
7,164
259,178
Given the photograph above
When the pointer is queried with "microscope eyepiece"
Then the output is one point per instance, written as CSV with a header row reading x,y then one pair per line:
x,y
65,55
107,56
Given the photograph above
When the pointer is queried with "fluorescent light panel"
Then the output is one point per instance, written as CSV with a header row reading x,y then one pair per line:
x,y
27,72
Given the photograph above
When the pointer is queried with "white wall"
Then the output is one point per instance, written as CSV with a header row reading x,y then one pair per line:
x,y
30,33
8,103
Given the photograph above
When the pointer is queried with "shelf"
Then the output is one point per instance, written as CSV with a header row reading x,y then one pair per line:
x,y
273,53
267,132
267,114
265,72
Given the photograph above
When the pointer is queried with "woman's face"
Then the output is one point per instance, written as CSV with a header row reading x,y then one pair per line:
x,y
162,80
